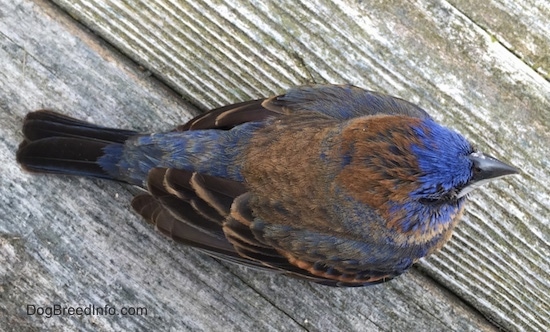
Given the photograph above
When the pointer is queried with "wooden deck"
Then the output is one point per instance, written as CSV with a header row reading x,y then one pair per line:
x,y
481,67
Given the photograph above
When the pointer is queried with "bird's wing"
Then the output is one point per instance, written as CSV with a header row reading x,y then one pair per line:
x,y
212,214
341,102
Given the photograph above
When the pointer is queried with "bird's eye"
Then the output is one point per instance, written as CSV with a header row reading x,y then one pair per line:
x,y
441,197
430,201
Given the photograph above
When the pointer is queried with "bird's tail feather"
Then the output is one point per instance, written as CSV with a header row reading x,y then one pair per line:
x,y
56,143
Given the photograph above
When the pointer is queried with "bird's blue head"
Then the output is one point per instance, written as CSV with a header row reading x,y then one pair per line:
x,y
414,172
450,167
444,162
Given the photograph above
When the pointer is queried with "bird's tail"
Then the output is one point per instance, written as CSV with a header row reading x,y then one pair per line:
x,y
55,143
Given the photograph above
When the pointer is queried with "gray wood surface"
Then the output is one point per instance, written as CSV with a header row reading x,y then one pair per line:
x,y
478,66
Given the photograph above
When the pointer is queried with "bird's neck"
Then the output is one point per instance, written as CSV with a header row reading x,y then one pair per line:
x,y
420,223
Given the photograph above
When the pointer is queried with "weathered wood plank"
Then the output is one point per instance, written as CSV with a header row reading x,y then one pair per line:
x,y
215,52
520,26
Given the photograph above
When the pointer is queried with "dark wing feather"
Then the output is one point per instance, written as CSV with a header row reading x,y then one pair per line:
x,y
173,215
230,116
341,102
179,204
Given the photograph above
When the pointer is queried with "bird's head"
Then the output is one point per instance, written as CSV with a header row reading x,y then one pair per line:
x,y
449,166
401,163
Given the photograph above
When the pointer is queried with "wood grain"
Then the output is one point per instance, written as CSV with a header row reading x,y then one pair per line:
x,y
479,67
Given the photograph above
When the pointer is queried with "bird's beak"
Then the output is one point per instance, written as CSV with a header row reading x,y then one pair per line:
x,y
485,168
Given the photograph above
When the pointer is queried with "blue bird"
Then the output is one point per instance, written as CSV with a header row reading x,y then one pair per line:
x,y
328,183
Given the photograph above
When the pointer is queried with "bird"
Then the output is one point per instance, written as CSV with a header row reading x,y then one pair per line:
x,y
332,184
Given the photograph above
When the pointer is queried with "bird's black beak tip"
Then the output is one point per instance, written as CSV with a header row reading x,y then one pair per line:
x,y
486,167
